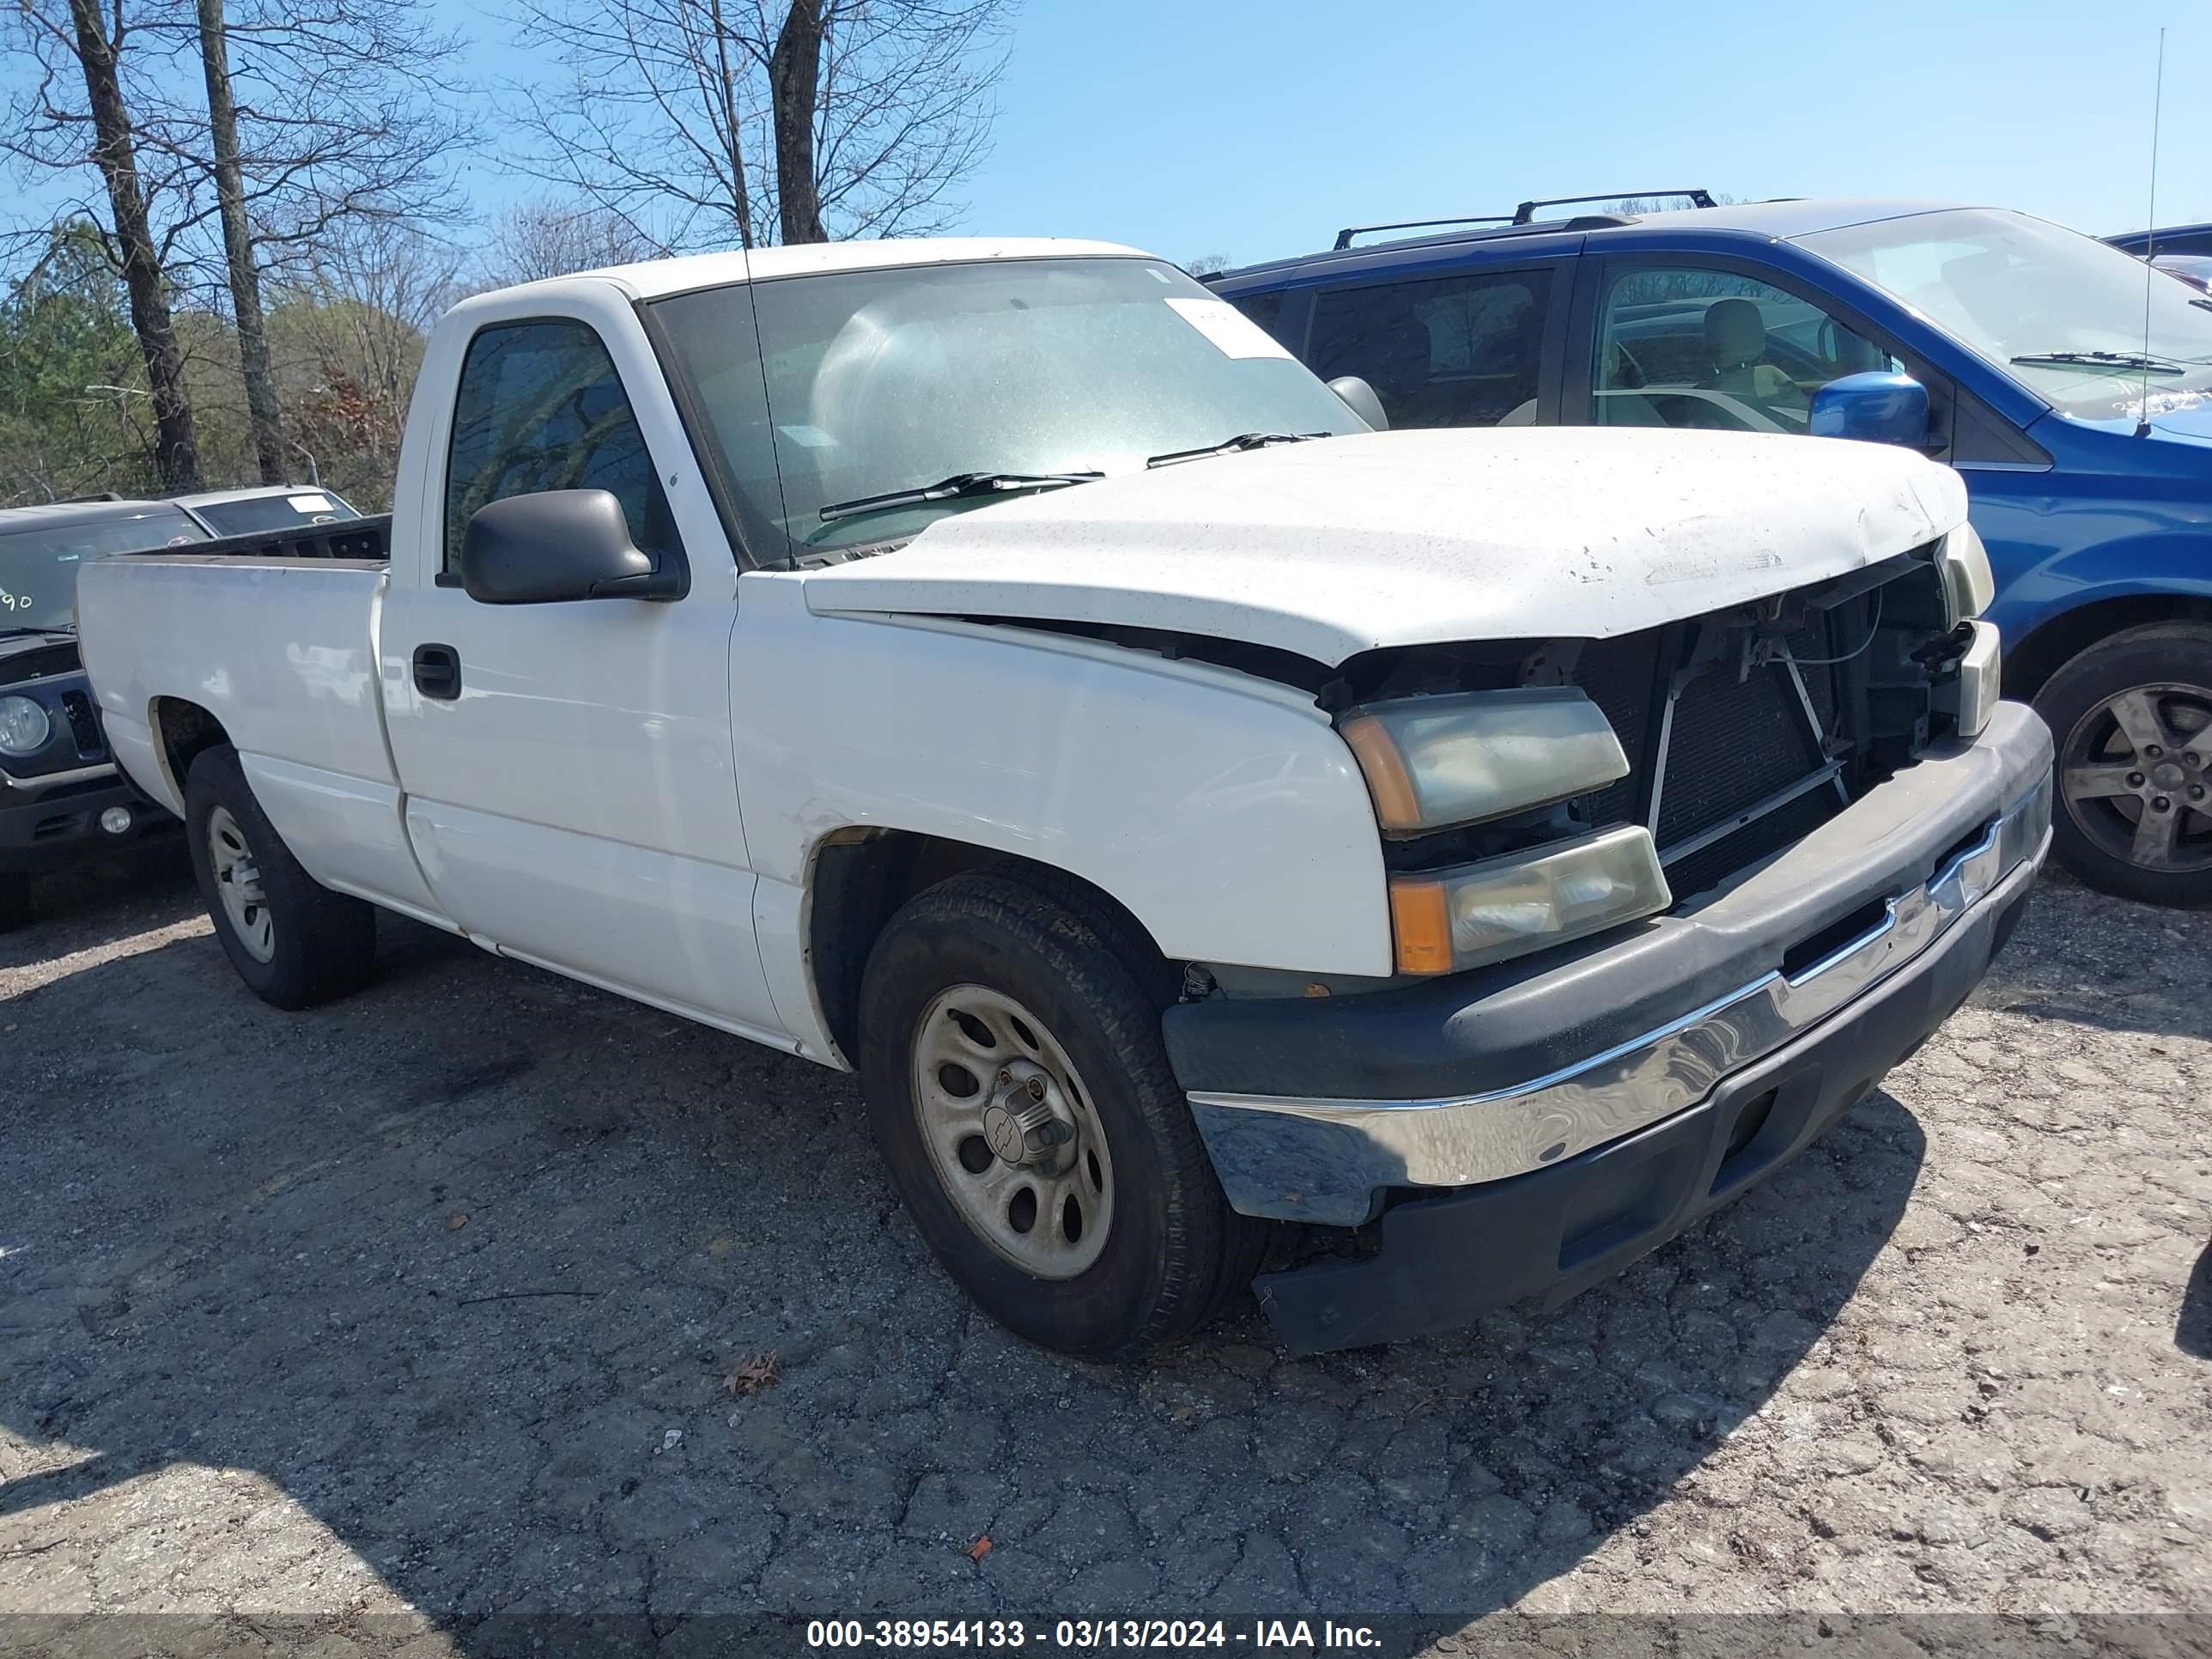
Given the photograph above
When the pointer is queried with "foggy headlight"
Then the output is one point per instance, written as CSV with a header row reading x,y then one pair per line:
x,y
1968,584
24,726
1504,907
1431,762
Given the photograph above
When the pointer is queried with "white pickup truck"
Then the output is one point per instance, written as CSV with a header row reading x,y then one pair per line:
x,y
999,668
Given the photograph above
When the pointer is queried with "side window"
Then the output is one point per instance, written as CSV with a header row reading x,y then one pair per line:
x,y
540,407
1710,348
1265,309
1451,351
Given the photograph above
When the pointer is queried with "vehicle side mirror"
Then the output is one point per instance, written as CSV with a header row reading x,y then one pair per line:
x,y
1877,407
558,546
1360,398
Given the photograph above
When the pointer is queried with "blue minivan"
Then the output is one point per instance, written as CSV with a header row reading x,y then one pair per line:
x,y
2014,350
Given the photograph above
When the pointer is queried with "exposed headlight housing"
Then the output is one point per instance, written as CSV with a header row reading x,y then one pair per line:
x,y
1434,762
25,726
1503,907
1968,583
1980,679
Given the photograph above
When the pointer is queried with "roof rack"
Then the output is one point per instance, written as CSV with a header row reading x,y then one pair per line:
x,y
1525,213
1344,237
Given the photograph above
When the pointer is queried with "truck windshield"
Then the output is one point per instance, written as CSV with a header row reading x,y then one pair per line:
x,y
2015,288
885,382
39,562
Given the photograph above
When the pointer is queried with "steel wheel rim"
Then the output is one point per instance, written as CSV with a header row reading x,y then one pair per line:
x,y
238,883
1009,1063
2135,773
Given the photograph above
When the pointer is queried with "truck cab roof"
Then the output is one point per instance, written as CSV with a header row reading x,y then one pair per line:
x,y
653,279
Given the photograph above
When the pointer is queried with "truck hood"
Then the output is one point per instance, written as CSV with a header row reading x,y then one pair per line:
x,y
1331,548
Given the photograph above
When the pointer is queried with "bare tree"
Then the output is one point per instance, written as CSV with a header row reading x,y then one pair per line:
x,y
231,141
71,46
794,89
1206,265
348,327
545,237
348,119
705,122
238,246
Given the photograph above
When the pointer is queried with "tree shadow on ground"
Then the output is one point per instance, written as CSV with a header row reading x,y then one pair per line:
x,y
2192,1331
464,1266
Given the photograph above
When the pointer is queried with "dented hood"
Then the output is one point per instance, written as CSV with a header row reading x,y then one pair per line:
x,y
1335,547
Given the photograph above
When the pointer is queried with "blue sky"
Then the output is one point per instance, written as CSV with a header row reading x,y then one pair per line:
x,y
1253,130
1257,130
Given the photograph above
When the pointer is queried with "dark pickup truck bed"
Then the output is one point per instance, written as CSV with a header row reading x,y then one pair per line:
x,y
347,538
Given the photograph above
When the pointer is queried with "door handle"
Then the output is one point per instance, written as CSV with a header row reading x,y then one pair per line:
x,y
438,671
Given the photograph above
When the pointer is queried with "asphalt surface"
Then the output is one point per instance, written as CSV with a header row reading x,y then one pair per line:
x,y
449,1304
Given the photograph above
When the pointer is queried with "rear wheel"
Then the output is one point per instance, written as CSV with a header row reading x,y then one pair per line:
x,y
1017,1083
293,941
2131,717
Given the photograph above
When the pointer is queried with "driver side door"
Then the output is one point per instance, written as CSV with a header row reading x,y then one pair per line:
x,y
568,766
1703,346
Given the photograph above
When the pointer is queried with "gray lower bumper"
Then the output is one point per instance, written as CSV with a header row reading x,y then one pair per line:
x,y
1331,1159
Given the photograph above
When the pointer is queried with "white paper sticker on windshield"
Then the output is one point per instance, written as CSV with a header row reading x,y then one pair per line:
x,y
309,503
1231,332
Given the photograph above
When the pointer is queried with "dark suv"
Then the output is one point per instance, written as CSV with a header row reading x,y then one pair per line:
x,y
2077,405
62,801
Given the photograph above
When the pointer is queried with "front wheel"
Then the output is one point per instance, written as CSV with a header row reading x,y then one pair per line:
x,y
2132,718
1017,1086
293,941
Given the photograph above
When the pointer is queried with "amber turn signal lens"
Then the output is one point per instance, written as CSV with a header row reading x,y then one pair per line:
x,y
1397,805
1420,920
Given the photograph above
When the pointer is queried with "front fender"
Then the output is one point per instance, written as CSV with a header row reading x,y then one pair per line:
x,y
1222,810
2055,581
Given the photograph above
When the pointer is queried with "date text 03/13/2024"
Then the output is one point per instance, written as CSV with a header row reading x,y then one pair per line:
x,y
1090,1635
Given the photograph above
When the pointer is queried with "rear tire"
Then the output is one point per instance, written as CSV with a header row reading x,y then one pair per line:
x,y
1124,1240
2131,719
293,941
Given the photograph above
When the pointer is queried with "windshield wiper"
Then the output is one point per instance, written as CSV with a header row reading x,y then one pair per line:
x,y
1243,440
2133,361
19,630
959,485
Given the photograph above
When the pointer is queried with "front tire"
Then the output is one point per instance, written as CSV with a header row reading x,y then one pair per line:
x,y
2131,719
293,941
1017,1083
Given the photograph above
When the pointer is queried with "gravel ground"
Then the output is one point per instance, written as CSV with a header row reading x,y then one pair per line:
x,y
427,1305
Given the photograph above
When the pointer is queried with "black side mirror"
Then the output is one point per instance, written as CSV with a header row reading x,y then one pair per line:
x,y
558,546
1360,398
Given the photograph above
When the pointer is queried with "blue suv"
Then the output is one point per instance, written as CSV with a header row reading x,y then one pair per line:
x,y
2013,350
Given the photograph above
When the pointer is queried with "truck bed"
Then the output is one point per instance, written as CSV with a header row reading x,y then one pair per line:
x,y
368,539
278,646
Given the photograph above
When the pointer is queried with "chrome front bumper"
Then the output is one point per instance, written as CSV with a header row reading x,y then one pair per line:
x,y
1331,1159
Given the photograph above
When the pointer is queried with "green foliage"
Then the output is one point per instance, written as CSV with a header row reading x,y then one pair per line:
x,y
65,327
345,366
